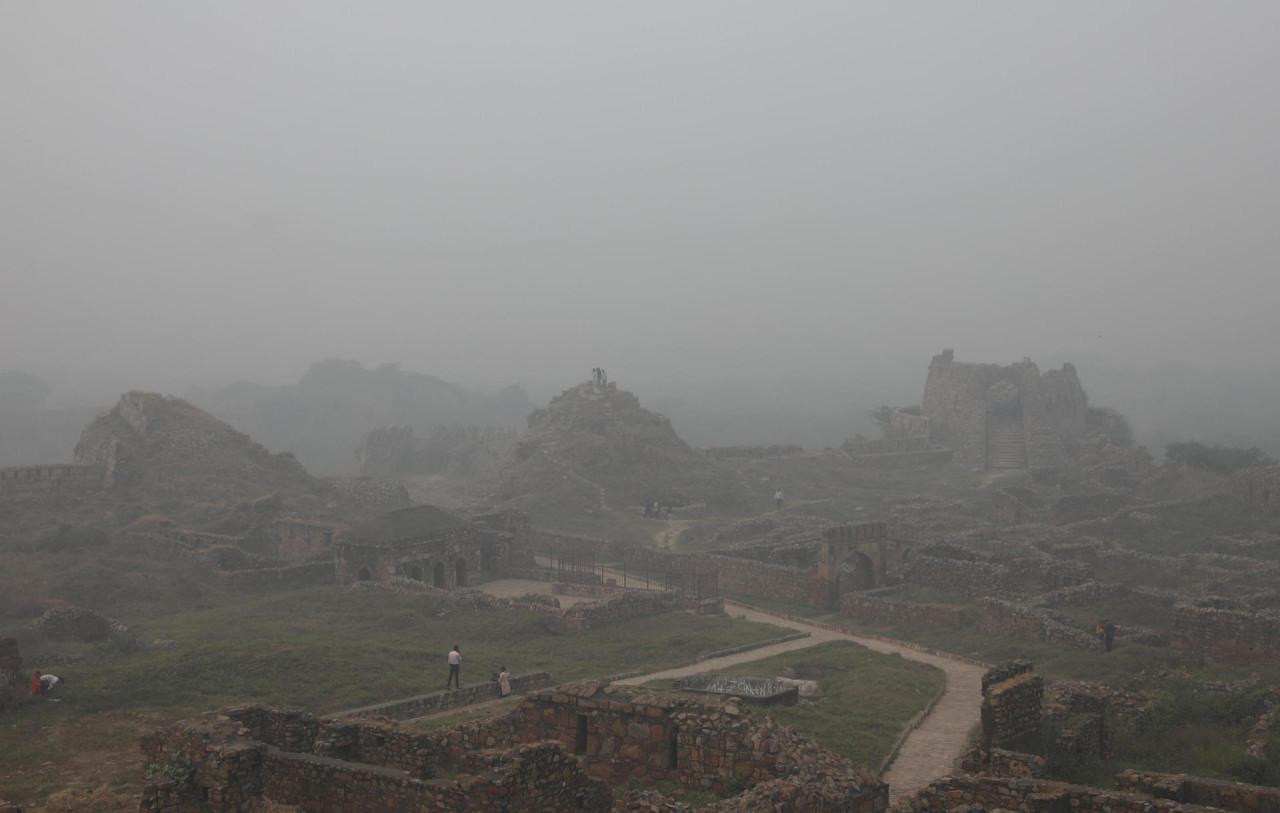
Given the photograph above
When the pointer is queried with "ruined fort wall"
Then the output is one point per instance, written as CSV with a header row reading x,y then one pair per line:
x,y
1012,695
1032,796
971,578
1227,636
435,702
1007,619
906,425
855,448
896,611
56,478
955,403
300,539
1197,790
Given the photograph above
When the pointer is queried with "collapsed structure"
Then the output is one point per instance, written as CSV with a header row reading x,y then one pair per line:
x,y
561,749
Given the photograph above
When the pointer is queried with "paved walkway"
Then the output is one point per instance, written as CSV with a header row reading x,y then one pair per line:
x,y
930,751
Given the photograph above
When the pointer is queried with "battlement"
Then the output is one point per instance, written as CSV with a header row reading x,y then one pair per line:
x,y
854,533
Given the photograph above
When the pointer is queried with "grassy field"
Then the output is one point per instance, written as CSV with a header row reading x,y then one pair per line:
x,y
321,649
867,697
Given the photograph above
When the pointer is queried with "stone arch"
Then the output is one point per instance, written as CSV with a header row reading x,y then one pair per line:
x,y
437,576
460,572
415,573
864,571
364,575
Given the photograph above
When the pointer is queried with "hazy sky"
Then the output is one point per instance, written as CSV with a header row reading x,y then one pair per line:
x,y
199,192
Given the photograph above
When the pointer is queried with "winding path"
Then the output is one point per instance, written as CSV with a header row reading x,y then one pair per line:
x,y
928,752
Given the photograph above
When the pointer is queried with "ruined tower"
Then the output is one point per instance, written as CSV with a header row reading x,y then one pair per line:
x,y
1003,417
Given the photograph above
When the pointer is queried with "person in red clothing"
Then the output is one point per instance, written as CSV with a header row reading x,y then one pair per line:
x,y
36,688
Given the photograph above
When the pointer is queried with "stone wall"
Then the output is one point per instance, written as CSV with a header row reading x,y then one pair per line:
x,y
1011,700
896,611
57,478
730,574
620,607
957,401
1257,488
425,704
556,751
299,539
967,577
434,561
1227,636
1025,795
1007,619
907,425
1196,790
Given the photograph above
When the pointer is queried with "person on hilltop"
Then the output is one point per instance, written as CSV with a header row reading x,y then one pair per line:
x,y
504,682
455,665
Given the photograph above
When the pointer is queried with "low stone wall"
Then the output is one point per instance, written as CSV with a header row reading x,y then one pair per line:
x,y
622,606
1196,790
970,578
974,793
584,590
1008,619
436,702
752,452
896,611
1011,703
1227,636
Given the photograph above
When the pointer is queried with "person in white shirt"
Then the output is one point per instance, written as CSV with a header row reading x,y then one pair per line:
x,y
455,663
777,497
504,682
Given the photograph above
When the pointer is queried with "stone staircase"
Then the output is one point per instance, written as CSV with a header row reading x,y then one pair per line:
x,y
1006,444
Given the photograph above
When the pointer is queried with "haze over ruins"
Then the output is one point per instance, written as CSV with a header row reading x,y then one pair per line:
x,y
725,407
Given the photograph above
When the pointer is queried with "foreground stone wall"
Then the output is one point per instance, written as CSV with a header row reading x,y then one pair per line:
x,y
980,793
1227,636
554,752
1196,790
1011,703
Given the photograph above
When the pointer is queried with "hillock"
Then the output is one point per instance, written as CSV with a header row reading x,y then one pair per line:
x,y
601,442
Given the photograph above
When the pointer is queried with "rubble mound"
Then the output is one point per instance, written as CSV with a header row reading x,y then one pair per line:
x,y
74,624
159,443
601,438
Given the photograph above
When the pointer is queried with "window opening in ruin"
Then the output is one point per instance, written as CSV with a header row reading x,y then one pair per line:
x,y
580,741
415,573
672,750
460,573
437,576
364,575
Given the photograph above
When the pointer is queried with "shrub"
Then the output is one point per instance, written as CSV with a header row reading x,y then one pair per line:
x,y
1217,459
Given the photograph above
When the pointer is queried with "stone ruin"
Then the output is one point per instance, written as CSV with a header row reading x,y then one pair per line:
x,y
762,691
1003,417
561,749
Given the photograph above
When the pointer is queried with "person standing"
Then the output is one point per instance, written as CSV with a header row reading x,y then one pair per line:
x,y
36,686
455,664
777,498
504,682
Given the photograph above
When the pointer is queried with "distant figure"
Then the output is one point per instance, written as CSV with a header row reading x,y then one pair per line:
x,y
48,682
504,682
648,510
1108,635
455,664
36,687
777,498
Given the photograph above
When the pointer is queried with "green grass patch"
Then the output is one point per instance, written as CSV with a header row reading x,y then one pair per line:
x,y
867,697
